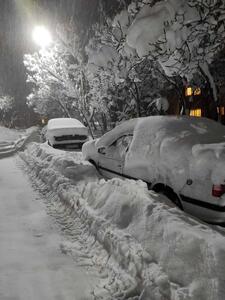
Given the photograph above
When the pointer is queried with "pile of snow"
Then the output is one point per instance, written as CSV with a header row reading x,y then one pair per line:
x,y
12,140
168,254
9,135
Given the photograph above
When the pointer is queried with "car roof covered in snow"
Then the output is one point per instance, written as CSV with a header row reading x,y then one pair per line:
x,y
192,129
59,123
198,129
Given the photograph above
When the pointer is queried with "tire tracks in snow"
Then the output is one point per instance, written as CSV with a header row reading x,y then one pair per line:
x,y
80,244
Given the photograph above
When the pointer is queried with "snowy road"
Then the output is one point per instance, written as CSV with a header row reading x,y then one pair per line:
x,y
31,264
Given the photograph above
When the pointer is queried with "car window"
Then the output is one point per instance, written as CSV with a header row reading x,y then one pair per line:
x,y
119,148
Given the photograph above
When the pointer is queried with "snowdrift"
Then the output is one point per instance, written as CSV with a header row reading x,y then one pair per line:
x,y
168,254
12,140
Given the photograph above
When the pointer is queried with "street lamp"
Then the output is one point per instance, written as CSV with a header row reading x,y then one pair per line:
x,y
41,36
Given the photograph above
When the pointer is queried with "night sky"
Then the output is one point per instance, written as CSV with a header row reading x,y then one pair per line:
x,y
17,20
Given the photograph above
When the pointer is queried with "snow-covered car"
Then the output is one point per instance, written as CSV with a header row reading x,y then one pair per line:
x,y
181,157
66,132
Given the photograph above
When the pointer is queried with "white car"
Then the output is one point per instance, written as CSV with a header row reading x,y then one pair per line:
x,y
66,132
181,157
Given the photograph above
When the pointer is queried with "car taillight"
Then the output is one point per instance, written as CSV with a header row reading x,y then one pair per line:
x,y
218,190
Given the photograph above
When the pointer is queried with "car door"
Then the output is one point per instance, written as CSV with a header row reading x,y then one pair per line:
x,y
111,158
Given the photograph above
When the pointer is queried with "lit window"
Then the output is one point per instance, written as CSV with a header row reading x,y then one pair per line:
x,y
221,110
196,112
197,91
188,91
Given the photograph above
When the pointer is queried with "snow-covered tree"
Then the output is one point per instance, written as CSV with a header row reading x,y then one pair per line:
x,y
47,72
122,82
57,74
7,103
183,36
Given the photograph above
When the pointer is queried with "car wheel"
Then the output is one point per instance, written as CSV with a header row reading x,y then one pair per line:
x,y
169,193
175,199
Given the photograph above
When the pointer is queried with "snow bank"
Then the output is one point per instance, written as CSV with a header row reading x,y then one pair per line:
x,y
168,254
12,140
9,135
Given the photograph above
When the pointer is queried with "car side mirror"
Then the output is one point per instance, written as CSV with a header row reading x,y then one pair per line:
x,y
101,150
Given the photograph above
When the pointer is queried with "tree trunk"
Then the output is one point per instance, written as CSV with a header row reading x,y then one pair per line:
x,y
178,91
104,122
204,69
88,123
64,108
137,98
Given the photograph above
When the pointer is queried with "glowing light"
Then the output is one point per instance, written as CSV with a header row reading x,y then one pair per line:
x,y
196,112
197,91
221,110
42,36
188,91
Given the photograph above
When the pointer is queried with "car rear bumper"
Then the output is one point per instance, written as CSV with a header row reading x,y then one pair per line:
x,y
68,142
53,141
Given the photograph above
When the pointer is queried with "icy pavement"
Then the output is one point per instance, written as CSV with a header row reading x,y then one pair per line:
x,y
33,265
156,251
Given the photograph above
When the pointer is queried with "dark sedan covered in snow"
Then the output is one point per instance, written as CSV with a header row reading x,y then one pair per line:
x,y
181,157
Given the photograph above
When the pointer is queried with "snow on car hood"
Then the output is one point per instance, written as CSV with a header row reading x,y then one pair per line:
x,y
171,149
